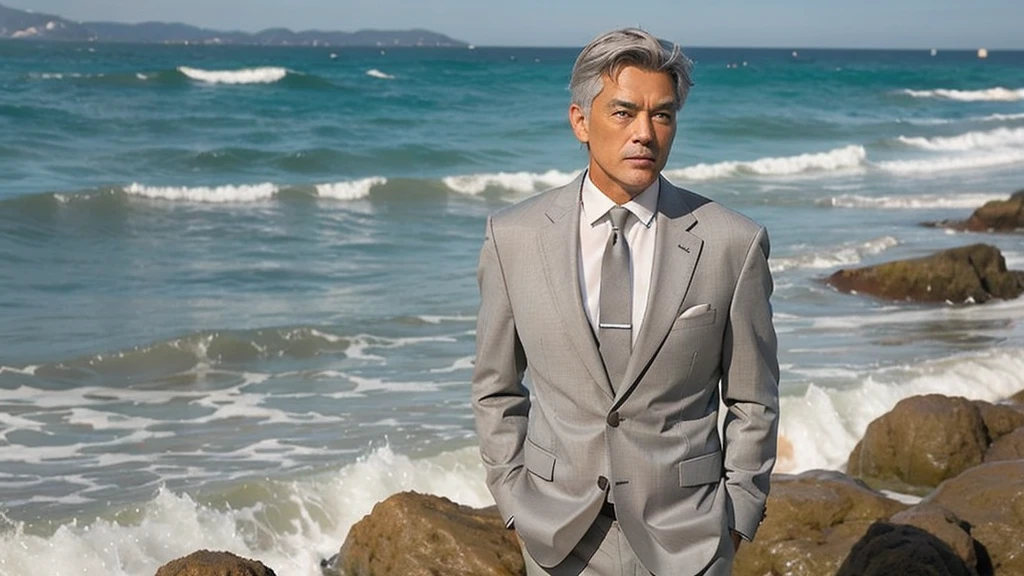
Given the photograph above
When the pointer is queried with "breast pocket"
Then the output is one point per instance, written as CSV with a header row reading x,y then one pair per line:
x,y
700,319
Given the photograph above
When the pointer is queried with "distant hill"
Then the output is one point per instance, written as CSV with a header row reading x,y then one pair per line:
x,y
23,24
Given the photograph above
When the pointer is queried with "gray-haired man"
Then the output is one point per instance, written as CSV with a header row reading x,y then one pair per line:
x,y
635,306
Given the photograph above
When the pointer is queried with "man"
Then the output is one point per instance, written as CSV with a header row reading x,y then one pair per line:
x,y
635,307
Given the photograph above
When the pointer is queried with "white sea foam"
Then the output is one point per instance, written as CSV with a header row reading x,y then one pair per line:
x,y
838,159
824,424
998,138
522,182
464,363
264,75
836,256
951,163
219,194
378,74
291,529
350,190
439,319
913,201
997,94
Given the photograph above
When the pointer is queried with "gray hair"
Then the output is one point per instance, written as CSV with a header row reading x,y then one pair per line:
x,y
611,51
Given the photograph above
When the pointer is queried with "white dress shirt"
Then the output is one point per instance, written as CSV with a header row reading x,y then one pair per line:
x,y
596,227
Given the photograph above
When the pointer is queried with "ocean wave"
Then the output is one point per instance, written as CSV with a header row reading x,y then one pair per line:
x,y
997,94
350,190
845,255
521,182
373,72
284,523
826,422
950,163
911,202
833,160
998,138
218,195
263,75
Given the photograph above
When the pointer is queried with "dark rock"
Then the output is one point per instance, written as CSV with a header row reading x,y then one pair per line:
x,y
207,563
1008,447
412,534
921,442
813,521
994,216
990,498
975,273
900,550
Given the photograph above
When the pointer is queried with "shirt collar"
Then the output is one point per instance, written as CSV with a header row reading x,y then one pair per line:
x,y
596,204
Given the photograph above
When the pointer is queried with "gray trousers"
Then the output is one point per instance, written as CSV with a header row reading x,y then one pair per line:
x,y
604,551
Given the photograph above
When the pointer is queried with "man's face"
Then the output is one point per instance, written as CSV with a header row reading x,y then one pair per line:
x,y
629,130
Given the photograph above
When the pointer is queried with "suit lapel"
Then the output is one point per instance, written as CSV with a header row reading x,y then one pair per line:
x,y
675,257
560,241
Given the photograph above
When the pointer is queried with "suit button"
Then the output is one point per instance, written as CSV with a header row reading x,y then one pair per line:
x,y
614,419
602,482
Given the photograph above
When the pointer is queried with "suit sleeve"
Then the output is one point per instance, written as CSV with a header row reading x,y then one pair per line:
x,y
750,390
501,404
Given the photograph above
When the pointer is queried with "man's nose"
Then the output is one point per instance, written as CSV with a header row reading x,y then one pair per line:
x,y
643,130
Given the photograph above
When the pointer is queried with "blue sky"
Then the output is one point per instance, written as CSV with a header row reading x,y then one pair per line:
x,y
993,24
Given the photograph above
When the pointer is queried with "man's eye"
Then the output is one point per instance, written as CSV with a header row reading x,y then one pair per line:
x,y
620,114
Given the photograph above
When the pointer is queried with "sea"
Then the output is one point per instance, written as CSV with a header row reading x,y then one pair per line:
x,y
238,292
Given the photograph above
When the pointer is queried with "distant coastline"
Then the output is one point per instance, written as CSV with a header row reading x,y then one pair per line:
x,y
22,24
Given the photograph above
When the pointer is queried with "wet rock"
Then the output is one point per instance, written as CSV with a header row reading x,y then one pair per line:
x,y
975,273
1008,447
207,563
990,498
812,523
944,525
412,534
995,216
921,442
1000,419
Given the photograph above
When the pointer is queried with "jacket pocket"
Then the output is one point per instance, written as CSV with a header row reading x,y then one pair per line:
x,y
700,470
539,461
700,320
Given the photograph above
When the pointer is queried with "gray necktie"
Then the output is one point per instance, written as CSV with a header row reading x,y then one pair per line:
x,y
615,333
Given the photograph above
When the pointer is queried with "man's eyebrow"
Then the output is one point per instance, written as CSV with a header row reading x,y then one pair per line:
x,y
616,103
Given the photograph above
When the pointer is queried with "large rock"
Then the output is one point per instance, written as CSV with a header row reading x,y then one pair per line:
x,y
975,273
207,563
1000,419
902,550
944,525
1009,447
921,442
813,521
1017,399
412,534
994,216
990,498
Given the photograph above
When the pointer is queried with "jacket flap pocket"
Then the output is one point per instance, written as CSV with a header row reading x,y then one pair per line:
x,y
539,461
705,469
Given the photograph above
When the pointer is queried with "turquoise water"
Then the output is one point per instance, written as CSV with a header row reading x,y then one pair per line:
x,y
238,295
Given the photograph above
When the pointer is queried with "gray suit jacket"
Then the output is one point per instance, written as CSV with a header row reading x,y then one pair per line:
x,y
678,486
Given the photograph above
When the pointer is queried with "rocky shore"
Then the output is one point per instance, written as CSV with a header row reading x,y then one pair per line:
x,y
965,459
935,487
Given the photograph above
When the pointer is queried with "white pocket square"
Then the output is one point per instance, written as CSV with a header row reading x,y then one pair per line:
x,y
695,311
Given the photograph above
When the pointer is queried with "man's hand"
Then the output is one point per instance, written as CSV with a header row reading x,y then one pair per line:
x,y
735,540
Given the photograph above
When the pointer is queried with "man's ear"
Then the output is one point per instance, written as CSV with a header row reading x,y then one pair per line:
x,y
578,121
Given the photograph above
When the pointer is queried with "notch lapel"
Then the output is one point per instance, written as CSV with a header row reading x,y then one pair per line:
x,y
676,253
560,242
